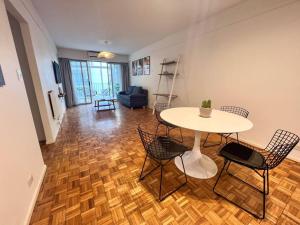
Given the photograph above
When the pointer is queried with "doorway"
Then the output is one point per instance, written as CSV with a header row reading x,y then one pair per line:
x,y
27,76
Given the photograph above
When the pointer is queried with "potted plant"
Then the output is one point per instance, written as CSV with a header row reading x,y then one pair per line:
x,y
205,109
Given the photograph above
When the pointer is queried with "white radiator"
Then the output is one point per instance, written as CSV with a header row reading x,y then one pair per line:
x,y
54,104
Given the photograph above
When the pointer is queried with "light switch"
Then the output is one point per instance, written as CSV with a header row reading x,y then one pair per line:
x,y
19,74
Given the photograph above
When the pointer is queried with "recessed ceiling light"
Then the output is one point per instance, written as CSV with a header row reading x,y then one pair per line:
x,y
105,42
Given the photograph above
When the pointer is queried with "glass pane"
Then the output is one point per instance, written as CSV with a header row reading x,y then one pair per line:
x,y
86,82
105,82
77,83
96,81
80,82
116,79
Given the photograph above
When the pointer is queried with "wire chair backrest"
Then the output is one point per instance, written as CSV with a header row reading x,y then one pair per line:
x,y
280,146
155,146
236,110
158,108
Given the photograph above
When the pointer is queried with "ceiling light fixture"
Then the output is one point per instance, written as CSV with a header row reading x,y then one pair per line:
x,y
105,55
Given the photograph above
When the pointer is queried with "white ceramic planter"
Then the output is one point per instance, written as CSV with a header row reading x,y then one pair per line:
x,y
205,112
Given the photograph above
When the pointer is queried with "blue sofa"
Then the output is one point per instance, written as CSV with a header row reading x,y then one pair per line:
x,y
134,97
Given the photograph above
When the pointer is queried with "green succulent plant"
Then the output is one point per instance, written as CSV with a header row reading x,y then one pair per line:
x,y
206,103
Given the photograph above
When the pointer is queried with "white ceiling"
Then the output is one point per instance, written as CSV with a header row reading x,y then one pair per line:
x,y
128,24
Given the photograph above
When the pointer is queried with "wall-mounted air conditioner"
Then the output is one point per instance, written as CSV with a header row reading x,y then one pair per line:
x,y
92,54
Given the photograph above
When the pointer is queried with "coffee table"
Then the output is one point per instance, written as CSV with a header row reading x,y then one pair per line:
x,y
105,102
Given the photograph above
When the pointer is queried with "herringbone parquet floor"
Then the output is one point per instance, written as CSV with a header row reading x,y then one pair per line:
x,y
92,179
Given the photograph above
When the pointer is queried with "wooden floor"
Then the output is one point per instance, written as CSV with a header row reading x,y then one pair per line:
x,y
92,178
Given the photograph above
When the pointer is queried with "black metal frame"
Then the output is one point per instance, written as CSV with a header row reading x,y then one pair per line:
x,y
148,140
264,192
161,165
157,110
276,151
231,109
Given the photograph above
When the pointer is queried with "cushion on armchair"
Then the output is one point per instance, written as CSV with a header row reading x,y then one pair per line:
x,y
130,90
136,90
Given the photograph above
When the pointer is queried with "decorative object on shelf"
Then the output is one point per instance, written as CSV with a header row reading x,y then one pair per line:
x,y
2,81
141,66
61,93
205,109
166,67
105,55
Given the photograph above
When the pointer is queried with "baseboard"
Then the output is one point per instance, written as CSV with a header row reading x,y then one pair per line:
x,y
35,196
294,154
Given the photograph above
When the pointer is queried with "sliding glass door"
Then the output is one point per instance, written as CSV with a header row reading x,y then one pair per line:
x,y
106,79
80,82
95,80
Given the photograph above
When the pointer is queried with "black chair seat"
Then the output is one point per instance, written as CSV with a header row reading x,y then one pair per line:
x,y
243,155
167,148
162,149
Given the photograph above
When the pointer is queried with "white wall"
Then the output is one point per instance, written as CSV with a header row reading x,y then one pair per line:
x,y
20,154
247,55
82,55
41,51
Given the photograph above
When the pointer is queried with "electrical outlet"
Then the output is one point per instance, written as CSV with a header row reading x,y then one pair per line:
x,y
19,74
30,180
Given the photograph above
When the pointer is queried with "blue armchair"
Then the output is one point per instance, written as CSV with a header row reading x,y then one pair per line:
x,y
134,97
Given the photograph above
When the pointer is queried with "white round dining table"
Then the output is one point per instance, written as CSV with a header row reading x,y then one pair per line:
x,y
197,164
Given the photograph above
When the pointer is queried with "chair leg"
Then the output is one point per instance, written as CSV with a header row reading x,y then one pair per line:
x,y
183,169
157,129
143,167
162,197
160,182
212,145
225,162
181,137
264,193
228,166
141,175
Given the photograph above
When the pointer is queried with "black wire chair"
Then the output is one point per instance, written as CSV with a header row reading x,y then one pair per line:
x,y
261,161
158,108
231,109
161,150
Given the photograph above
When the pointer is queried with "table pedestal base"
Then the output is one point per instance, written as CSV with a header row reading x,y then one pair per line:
x,y
202,168
196,164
